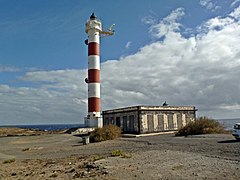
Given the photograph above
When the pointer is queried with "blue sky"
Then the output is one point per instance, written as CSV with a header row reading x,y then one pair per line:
x,y
184,52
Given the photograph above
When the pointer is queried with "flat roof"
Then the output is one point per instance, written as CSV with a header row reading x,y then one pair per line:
x,y
151,108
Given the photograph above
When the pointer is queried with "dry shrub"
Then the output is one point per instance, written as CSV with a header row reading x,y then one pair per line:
x,y
8,161
203,125
108,132
120,153
117,153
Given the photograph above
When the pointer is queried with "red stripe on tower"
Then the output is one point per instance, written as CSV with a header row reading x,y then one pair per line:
x,y
93,49
93,76
93,104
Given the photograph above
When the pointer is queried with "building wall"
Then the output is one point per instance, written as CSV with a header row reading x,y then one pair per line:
x,y
156,121
127,121
144,120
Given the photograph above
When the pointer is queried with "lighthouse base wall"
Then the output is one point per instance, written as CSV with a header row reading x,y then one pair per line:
x,y
96,122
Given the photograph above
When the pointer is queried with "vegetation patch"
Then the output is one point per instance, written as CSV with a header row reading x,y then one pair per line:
x,y
120,153
202,125
8,161
96,158
178,167
108,132
26,149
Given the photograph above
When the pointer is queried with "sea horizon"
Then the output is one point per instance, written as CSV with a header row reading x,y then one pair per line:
x,y
46,127
227,123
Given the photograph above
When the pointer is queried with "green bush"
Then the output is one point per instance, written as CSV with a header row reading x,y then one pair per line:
x,y
117,153
108,132
120,153
96,158
203,125
8,161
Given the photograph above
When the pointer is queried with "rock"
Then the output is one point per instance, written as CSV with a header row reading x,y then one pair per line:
x,y
105,171
77,175
54,175
91,166
72,170
13,174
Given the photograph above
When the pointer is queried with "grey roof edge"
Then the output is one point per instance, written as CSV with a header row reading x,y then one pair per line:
x,y
150,108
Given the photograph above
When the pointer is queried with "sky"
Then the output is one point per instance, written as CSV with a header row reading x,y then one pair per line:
x,y
184,52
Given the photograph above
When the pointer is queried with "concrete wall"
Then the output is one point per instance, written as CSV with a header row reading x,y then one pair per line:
x,y
127,121
149,119
156,121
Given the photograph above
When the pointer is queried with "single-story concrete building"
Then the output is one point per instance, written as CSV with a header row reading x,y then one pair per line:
x,y
149,119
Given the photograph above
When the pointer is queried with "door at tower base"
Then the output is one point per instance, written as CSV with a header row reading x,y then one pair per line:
x,y
93,122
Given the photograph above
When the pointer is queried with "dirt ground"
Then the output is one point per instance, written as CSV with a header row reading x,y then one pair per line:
x,y
63,156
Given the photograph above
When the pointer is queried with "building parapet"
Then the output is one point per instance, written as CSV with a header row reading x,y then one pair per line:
x,y
150,108
168,108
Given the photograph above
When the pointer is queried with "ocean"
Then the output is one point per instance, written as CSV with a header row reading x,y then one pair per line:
x,y
48,127
227,123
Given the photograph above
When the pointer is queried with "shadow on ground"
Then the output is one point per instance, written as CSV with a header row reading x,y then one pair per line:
x,y
229,141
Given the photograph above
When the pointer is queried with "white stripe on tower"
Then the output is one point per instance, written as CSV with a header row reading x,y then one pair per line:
x,y
94,62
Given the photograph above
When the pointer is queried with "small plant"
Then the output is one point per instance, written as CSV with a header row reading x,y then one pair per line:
x,y
96,158
25,149
8,161
108,132
202,125
178,167
117,153
120,153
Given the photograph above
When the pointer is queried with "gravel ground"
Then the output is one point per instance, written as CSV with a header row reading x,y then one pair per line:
x,y
62,156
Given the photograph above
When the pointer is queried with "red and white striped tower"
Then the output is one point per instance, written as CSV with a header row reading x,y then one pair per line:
x,y
94,30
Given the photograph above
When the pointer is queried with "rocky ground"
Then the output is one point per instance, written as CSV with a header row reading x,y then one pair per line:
x,y
11,131
63,156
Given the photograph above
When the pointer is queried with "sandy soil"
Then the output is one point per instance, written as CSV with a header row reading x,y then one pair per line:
x,y
63,156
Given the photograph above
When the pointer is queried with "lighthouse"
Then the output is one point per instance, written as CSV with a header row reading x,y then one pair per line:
x,y
94,31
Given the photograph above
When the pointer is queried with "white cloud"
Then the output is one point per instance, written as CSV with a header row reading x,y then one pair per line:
x,y
168,24
8,69
235,2
201,70
236,13
209,5
128,44
204,2
148,20
52,99
231,107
